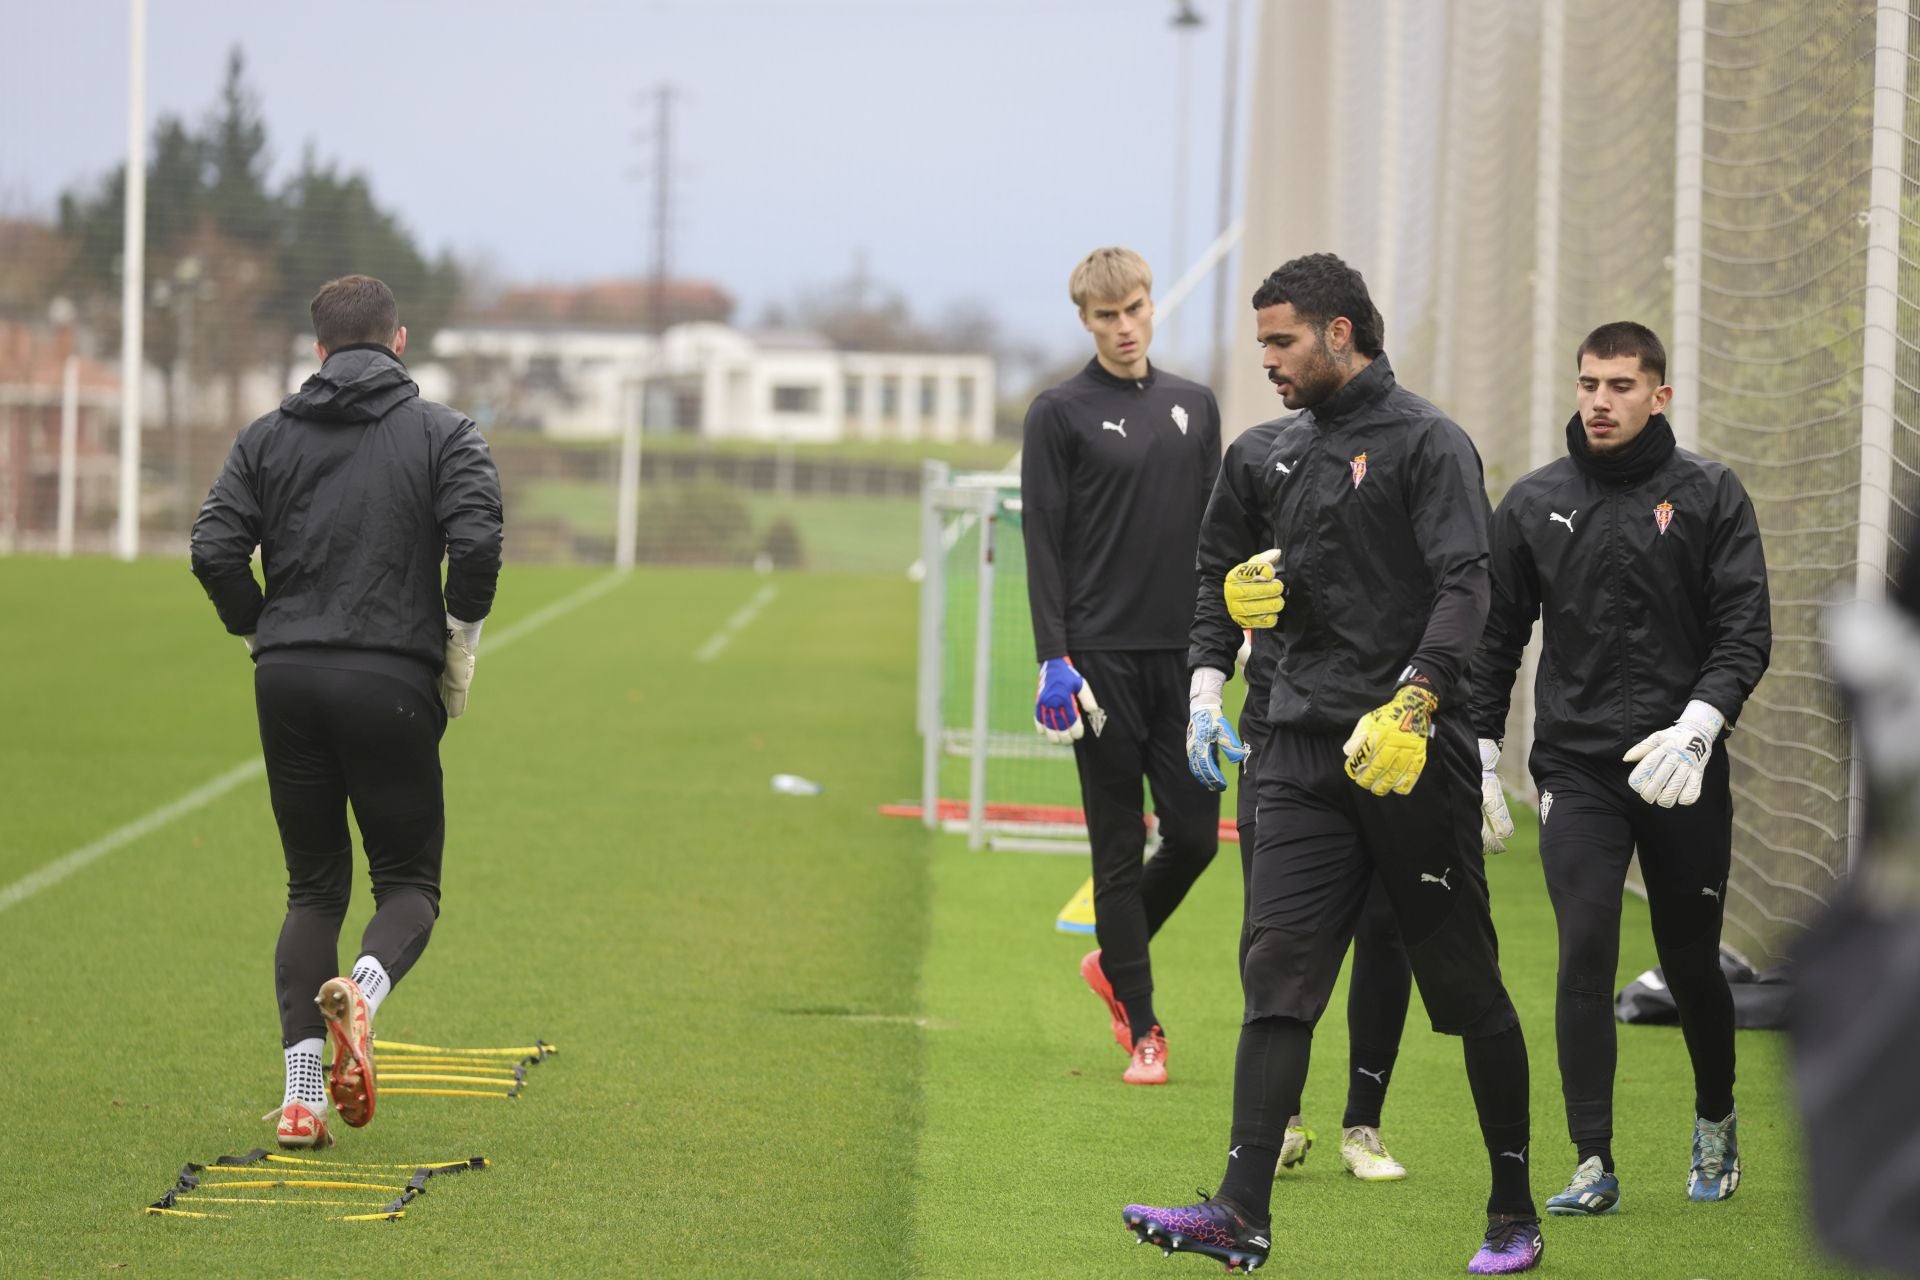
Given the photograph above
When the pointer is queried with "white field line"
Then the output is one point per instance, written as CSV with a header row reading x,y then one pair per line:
x,y
68,863
717,642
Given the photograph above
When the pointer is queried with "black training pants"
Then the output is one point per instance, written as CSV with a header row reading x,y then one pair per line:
x,y
1144,694
1381,984
1590,824
342,728
1321,841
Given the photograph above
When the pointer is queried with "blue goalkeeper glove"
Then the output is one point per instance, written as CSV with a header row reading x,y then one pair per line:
x,y
1209,734
1064,693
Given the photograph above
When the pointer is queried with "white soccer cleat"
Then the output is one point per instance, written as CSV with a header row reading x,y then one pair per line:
x,y
1365,1157
1294,1146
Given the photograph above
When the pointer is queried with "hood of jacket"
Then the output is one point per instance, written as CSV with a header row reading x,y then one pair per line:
x,y
357,383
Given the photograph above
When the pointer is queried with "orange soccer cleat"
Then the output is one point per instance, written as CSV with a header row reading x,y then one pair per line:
x,y
1097,979
350,1079
1149,1065
300,1127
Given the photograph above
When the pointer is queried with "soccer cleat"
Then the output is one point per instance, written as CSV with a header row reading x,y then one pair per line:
x,y
1716,1159
350,1079
1591,1192
1214,1228
1294,1145
1149,1065
1365,1157
1097,979
1512,1244
300,1127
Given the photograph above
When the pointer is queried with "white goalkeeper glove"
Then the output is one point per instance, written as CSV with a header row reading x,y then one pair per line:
x,y
1496,824
1674,761
463,643
1209,735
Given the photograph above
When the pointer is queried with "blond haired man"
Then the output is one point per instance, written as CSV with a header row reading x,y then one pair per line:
x,y
1117,465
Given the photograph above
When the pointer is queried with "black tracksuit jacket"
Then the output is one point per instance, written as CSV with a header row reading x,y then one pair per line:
x,y
1655,596
353,489
1377,501
1114,475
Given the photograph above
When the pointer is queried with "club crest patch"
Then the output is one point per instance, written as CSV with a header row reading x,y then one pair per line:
x,y
1180,419
1359,469
1663,516
1546,806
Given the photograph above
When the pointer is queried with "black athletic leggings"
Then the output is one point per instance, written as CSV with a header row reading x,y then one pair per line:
x,y
1145,697
343,728
1380,985
1590,825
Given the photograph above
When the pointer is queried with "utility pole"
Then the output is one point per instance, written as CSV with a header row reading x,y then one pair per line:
x,y
663,96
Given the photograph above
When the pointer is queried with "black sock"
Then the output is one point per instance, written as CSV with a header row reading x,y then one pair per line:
x,y
1140,1019
1269,1069
1371,1069
1497,1073
1602,1149
1248,1181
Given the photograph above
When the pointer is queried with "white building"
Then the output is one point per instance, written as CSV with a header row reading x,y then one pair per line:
x,y
719,383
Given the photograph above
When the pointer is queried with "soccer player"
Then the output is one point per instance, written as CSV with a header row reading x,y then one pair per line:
x,y
353,490
1381,983
1114,474
1644,561
1372,505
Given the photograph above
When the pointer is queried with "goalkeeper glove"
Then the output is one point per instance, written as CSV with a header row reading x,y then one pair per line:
x,y
1055,713
1674,761
1388,746
1209,735
252,642
463,643
1496,824
1255,596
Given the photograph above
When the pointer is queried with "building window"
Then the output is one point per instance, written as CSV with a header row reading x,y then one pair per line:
x,y
963,398
929,397
889,397
850,397
796,399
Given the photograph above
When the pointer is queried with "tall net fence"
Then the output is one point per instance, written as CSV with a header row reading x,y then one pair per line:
x,y
1740,176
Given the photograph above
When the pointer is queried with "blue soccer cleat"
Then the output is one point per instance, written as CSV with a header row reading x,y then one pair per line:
x,y
1214,1228
1591,1192
1716,1159
1513,1244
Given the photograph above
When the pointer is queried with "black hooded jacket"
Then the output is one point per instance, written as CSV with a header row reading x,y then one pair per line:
x,y
1652,588
353,489
1377,502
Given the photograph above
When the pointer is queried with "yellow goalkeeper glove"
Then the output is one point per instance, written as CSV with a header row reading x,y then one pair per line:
x,y
1255,596
1388,747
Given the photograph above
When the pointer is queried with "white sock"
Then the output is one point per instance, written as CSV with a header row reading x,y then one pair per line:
x,y
304,1082
371,977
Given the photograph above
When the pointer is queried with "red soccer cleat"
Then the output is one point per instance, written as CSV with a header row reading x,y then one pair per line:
x,y
1097,979
1149,1065
299,1128
350,1079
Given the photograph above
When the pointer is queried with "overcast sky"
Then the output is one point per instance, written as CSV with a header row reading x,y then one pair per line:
x,y
972,149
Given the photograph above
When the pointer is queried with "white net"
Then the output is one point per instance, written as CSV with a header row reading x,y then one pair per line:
x,y
1805,373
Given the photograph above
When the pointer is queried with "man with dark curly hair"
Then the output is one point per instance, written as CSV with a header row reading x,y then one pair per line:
x,y
1374,508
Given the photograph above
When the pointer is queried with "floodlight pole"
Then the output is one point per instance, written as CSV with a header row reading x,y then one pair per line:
x,y
1185,23
133,276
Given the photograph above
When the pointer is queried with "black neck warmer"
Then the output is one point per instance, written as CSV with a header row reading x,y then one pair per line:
x,y
1642,456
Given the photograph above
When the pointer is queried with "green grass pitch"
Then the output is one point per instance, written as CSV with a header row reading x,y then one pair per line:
x,y
796,1039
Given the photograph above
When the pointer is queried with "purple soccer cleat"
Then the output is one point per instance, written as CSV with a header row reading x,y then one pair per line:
x,y
1214,1228
1513,1244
